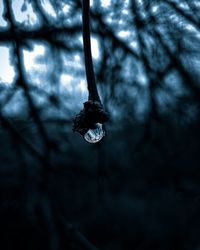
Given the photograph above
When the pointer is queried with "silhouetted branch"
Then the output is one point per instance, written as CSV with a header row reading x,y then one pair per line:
x,y
104,30
44,33
184,14
92,88
186,76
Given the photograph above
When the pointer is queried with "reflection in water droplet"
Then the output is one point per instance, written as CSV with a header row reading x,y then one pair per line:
x,y
95,134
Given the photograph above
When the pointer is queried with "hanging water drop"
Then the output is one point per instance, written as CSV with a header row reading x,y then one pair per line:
x,y
94,135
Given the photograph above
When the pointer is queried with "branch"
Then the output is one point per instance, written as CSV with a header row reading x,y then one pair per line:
x,y
20,77
44,33
105,30
92,88
186,77
184,14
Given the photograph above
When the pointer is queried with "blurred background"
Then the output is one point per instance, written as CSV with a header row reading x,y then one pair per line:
x,y
139,188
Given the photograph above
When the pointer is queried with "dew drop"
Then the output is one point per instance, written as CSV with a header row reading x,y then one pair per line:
x,y
94,135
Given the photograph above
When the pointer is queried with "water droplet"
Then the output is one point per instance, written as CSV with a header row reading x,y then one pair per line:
x,y
95,134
